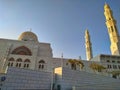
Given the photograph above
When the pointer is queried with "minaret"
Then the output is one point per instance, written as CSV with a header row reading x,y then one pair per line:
x,y
88,46
112,30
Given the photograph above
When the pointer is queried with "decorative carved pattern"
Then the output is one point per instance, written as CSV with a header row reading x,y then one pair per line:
x,y
27,60
41,61
11,59
19,60
22,50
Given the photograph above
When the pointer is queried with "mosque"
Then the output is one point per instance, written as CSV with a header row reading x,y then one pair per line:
x,y
28,64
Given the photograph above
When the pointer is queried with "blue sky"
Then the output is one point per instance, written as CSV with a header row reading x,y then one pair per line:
x,y
60,22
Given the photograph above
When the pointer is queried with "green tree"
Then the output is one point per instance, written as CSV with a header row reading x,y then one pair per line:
x,y
75,62
115,73
96,67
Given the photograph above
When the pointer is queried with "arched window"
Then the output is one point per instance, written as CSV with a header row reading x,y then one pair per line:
x,y
18,62
119,66
109,66
10,62
113,61
26,63
114,66
118,61
27,60
41,64
41,61
22,51
108,61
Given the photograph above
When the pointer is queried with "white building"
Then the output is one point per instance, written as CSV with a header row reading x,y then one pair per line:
x,y
26,52
29,64
111,62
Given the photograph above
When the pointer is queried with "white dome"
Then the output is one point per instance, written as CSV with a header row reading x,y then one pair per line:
x,y
28,36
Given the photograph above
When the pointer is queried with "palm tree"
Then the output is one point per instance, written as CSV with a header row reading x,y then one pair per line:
x,y
96,67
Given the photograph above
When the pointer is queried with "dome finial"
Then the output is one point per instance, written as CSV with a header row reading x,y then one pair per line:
x,y
29,29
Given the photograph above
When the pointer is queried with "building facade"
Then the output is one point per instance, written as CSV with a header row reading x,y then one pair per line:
x,y
26,52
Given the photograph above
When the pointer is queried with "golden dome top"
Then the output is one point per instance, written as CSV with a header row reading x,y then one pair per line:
x,y
28,36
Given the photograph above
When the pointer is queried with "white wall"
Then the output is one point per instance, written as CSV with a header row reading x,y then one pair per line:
x,y
27,79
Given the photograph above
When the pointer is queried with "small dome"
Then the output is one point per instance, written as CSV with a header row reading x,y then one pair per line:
x,y
28,36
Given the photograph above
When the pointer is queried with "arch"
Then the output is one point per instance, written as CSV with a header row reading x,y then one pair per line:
x,y
41,61
11,59
118,61
26,63
113,61
41,64
27,60
108,60
19,60
22,50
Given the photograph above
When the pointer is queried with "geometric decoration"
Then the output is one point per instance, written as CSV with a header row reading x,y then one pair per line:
x,y
22,50
41,61
19,60
27,60
11,59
